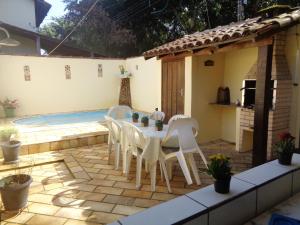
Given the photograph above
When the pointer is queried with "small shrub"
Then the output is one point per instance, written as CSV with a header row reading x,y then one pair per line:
x,y
7,132
219,167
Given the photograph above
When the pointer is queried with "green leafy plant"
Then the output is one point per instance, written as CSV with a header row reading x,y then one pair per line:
x,y
7,132
9,104
135,116
219,167
286,144
159,124
145,120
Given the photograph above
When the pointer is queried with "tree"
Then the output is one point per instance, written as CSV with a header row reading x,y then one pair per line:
x,y
130,27
98,33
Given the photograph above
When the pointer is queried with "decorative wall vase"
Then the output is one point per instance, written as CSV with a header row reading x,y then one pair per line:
x,y
68,72
125,96
27,73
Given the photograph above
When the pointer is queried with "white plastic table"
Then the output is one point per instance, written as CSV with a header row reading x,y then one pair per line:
x,y
153,149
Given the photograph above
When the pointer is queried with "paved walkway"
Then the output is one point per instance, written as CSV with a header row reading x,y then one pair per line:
x,y
77,186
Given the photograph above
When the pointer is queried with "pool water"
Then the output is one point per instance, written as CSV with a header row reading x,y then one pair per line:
x,y
63,118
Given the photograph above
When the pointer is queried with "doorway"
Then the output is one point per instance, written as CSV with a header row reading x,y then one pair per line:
x,y
173,80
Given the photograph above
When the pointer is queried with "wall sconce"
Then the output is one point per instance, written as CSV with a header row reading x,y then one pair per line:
x,y
8,41
209,63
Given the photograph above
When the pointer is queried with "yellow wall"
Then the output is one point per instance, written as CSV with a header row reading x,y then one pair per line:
x,y
20,13
291,51
229,70
205,83
237,64
49,91
145,83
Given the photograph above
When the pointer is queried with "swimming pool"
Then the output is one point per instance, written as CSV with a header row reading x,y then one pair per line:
x,y
63,118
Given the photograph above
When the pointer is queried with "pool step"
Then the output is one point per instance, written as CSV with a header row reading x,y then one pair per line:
x,y
71,142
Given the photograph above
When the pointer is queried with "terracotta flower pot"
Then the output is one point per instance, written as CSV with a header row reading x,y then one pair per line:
x,y
135,120
222,186
15,195
145,124
285,158
11,151
159,128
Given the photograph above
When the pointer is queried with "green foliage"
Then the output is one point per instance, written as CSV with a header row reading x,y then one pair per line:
x,y
135,116
7,132
219,167
145,119
286,144
159,123
129,27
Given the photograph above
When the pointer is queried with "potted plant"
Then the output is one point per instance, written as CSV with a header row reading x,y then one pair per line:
x,y
219,168
159,125
135,117
145,121
14,191
9,107
285,148
10,148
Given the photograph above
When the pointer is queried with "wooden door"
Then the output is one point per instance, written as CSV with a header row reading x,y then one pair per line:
x,y
172,88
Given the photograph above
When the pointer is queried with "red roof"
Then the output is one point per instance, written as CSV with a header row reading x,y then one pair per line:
x,y
228,33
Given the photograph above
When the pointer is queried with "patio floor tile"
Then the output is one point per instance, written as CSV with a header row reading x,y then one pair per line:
x,y
101,217
137,194
79,222
72,213
163,196
43,209
145,203
49,220
109,190
101,195
98,206
21,218
115,199
127,210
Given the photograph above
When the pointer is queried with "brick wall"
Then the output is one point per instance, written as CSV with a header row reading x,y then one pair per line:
x,y
280,115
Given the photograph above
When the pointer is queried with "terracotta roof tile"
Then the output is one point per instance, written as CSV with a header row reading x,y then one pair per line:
x,y
231,32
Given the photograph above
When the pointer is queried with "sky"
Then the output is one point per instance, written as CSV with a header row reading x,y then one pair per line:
x,y
56,10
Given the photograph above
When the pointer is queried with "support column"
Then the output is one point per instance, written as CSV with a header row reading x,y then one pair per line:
x,y
262,99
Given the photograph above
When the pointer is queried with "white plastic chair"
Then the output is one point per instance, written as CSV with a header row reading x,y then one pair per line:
x,y
136,145
185,130
120,112
157,115
176,117
114,138
172,142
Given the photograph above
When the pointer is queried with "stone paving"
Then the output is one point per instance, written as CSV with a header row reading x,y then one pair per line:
x,y
78,186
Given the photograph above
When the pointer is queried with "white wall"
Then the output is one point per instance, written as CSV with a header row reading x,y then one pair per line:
x,y
145,83
20,13
49,91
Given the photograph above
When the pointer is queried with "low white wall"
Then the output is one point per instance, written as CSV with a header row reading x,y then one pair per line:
x,y
145,83
50,92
